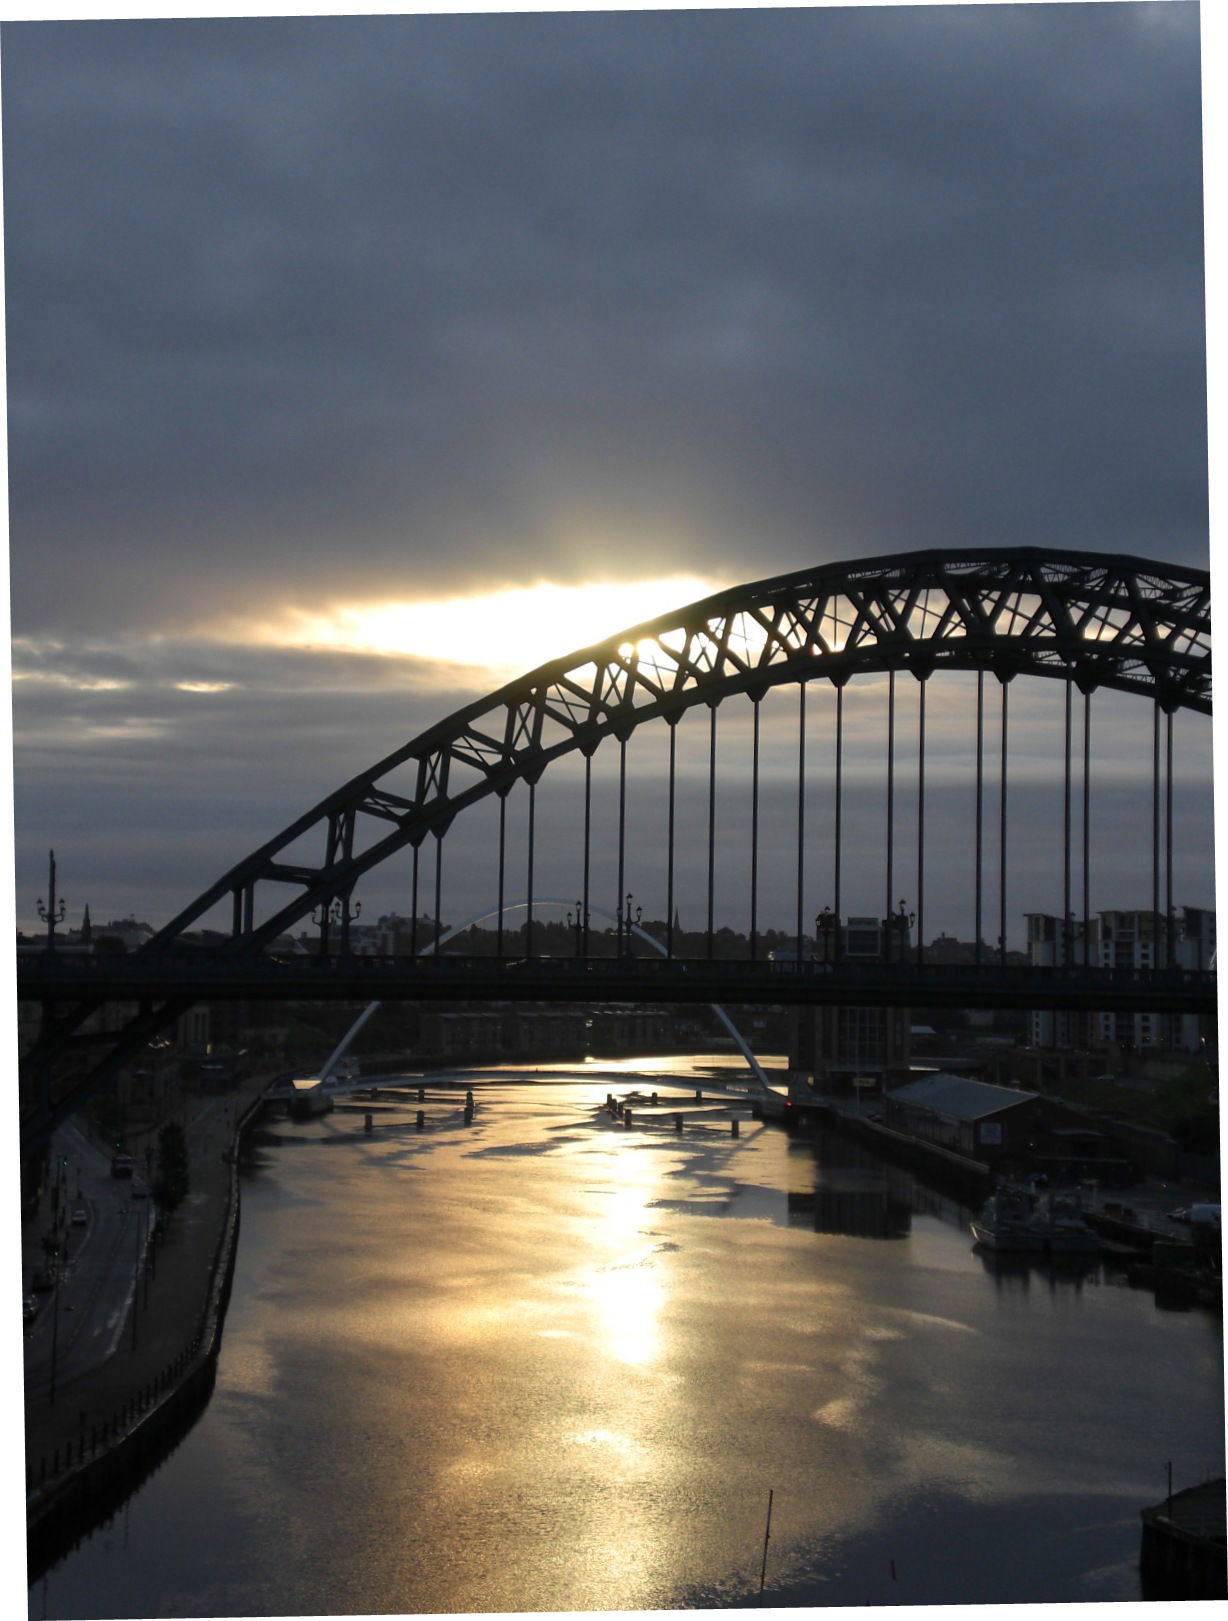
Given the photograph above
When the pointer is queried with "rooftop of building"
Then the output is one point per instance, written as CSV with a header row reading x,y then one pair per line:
x,y
959,1097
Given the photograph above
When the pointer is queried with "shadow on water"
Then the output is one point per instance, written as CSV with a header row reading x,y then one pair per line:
x,y
839,1186
932,1547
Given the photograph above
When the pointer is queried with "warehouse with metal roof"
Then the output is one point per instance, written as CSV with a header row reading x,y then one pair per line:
x,y
972,1117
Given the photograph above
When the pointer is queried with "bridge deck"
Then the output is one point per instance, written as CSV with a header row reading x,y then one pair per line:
x,y
201,977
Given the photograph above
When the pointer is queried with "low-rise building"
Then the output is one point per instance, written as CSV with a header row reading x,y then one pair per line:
x,y
971,1117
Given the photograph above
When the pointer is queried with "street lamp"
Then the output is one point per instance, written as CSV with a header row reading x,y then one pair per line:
x,y
624,925
580,924
49,913
897,927
824,929
336,911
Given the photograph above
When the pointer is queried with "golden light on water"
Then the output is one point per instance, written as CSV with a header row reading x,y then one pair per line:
x,y
628,1299
626,1292
508,631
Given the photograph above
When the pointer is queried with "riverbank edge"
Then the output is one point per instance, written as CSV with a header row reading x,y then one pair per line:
x,y
62,1511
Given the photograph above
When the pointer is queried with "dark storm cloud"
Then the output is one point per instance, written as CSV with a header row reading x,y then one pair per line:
x,y
391,304
309,308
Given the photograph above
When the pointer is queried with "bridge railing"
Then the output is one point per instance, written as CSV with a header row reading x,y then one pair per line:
x,y
46,974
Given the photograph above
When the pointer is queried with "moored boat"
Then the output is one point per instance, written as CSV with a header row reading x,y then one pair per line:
x,y
1011,1222
1006,1224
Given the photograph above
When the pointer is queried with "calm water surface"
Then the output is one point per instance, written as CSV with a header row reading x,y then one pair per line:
x,y
545,1363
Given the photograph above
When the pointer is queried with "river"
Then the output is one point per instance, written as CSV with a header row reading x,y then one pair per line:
x,y
542,1362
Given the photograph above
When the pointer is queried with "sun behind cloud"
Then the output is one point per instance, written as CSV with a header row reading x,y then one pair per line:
x,y
505,632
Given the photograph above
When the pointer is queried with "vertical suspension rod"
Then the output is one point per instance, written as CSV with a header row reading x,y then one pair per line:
x,y
1155,835
888,911
801,812
413,922
502,871
438,890
839,812
1067,953
980,806
711,823
754,832
1170,920
1087,826
528,927
623,923
921,824
588,843
669,867
1002,832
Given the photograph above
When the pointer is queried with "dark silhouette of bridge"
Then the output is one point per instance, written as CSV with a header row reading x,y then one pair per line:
x,y
1090,622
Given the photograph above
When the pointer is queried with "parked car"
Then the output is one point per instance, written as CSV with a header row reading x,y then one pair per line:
x,y
43,1279
80,1216
139,1190
29,1308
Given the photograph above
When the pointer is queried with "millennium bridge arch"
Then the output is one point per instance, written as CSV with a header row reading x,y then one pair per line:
x,y
1089,620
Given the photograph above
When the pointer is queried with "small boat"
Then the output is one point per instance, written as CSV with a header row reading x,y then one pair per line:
x,y
1012,1223
1006,1223
1065,1230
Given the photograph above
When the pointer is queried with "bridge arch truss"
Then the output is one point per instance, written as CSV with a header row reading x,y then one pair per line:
x,y
1086,618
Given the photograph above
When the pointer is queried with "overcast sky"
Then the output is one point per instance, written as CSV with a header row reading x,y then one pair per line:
x,y
306,316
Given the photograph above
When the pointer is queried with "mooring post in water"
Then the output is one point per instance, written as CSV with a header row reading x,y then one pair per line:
x,y
368,1120
767,1531
677,1122
733,1128
421,1120
627,1118
422,1094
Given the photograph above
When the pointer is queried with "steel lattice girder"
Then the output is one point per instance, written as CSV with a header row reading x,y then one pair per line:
x,y
1095,619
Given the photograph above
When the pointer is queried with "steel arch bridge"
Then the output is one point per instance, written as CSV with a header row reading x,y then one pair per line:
x,y
1090,620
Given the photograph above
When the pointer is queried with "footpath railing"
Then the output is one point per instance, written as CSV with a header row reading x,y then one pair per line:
x,y
219,976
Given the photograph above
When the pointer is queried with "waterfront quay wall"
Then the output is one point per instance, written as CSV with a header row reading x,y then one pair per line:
x,y
78,1482
1184,1551
968,1179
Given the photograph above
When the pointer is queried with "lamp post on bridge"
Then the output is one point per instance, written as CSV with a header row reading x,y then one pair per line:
x,y
824,930
50,914
336,911
896,929
624,925
580,924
